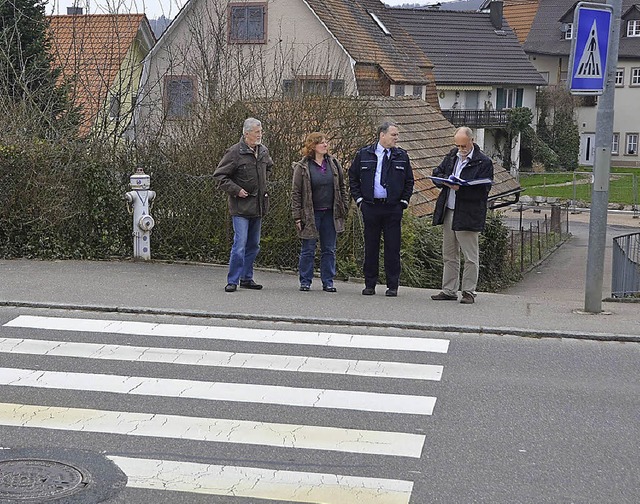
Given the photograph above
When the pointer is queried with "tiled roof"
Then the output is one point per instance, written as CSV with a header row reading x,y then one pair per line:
x,y
466,49
427,136
545,36
520,14
90,49
351,23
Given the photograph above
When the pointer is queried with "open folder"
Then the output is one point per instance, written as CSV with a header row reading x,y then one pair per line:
x,y
461,182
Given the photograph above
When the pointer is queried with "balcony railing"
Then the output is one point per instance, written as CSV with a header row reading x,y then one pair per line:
x,y
476,118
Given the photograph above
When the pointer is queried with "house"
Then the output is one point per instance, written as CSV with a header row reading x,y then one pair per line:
x,y
101,55
218,51
546,29
480,69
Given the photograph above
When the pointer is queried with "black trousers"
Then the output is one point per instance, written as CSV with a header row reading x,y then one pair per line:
x,y
382,219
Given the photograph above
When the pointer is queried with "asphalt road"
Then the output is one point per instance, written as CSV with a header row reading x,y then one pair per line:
x,y
516,420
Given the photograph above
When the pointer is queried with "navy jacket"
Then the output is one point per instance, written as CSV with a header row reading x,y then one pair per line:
x,y
470,212
398,181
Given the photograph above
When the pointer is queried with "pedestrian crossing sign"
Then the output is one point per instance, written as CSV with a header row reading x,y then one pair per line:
x,y
588,62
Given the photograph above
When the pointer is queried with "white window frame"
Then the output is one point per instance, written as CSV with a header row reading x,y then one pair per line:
x,y
631,144
635,77
633,28
615,144
568,35
619,78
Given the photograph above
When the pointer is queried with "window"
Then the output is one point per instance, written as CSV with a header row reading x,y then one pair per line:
x,y
380,24
417,91
615,144
399,90
619,77
563,76
509,98
247,23
545,76
179,95
313,85
631,144
633,28
635,76
568,34
114,107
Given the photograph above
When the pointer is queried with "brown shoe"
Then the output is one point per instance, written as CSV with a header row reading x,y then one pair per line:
x,y
467,298
444,297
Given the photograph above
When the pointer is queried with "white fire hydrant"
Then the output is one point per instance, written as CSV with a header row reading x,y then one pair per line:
x,y
141,199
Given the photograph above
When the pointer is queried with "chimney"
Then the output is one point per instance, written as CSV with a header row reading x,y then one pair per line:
x,y
74,11
495,14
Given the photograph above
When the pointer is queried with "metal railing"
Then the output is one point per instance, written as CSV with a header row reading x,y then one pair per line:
x,y
625,275
476,118
529,244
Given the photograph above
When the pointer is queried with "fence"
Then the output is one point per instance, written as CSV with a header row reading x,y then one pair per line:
x,y
529,246
575,189
625,275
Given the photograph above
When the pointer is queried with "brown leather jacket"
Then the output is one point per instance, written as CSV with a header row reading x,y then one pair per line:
x,y
242,168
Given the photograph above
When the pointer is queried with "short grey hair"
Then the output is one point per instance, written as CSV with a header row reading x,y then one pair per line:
x,y
466,130
249,124
384,127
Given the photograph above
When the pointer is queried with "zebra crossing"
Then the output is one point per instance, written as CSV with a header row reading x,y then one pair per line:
x,y
232,480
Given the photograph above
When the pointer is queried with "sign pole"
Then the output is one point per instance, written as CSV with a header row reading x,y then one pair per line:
x,y
601,170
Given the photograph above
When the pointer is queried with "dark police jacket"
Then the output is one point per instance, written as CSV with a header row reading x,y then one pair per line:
x,y
241,168
470,212
398,180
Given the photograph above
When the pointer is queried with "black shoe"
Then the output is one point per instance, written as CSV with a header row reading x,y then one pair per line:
x,y
230,288
444,297
391,293
329,288
368,291
305,288
250,284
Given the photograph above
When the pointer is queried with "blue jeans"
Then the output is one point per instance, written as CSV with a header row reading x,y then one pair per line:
x,y
327,231
246,245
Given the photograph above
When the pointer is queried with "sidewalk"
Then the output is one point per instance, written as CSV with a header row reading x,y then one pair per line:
x,y
546,303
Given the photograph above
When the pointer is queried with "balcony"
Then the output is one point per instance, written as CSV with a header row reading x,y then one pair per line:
x,y
476,118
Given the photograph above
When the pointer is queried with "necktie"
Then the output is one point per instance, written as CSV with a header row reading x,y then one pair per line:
x,y
386,164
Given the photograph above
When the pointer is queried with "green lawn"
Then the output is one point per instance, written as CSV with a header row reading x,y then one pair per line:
x,y
622,187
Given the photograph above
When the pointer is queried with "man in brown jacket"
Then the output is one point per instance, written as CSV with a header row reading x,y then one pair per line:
x,y
242,174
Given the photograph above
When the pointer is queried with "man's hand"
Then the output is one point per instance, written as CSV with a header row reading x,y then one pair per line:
x,y
455,187
242,193
299,225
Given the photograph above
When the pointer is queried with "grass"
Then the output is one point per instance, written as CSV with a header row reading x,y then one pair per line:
x,y
560,185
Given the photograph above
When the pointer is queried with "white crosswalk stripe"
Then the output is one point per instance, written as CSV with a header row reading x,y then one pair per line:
x,y
228,480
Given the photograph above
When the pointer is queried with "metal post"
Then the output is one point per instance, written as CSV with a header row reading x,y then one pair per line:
x,y
601,169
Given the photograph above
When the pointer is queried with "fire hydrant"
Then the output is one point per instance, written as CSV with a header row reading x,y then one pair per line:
x,y
141,199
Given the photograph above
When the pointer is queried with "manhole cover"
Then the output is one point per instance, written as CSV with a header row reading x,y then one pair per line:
x,y
38,480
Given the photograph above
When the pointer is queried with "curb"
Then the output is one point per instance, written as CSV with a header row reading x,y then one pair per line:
x,y
498,331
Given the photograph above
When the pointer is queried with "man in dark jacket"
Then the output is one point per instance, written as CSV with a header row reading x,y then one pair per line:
x,y
242,173
381,182
462,209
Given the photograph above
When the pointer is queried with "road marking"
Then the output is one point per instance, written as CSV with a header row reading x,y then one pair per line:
x,y
262,483
302,364
232,334
217,430
218,391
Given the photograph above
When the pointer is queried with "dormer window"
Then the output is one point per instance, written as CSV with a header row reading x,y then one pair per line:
x,y
633,28
384,29
567,28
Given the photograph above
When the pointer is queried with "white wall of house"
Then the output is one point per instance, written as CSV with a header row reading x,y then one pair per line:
x,y
626,126
197,57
